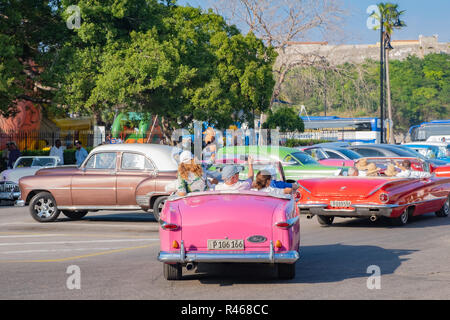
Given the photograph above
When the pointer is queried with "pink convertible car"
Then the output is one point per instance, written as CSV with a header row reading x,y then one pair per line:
x,y
229,226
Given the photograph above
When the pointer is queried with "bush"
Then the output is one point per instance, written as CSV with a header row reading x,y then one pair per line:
x,y
292,143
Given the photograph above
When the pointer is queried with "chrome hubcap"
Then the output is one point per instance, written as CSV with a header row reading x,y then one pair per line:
x,y
44,208
447,206
404,216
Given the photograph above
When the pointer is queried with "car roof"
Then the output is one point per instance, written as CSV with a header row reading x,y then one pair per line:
x,y
161,155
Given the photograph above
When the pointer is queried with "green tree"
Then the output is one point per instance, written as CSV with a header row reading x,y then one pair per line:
x,y
285,119
173,61
31,34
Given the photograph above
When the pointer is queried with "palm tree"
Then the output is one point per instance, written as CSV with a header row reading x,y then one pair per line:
x,y
389,15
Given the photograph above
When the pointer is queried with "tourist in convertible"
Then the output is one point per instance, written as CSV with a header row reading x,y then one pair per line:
x,y
191,176
263,183
230,177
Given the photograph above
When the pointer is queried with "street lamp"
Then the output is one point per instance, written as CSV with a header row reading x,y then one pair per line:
x,y
381,78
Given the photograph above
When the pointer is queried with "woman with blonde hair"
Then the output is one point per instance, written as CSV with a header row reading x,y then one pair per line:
x,y
191,177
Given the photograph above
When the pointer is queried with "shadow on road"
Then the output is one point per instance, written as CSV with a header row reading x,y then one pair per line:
x,y
426,220
317,264
114,217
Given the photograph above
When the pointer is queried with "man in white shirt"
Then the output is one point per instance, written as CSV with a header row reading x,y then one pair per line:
x,y
406,172
230,176
58,151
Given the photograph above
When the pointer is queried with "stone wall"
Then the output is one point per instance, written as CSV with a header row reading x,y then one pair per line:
x,y
339,54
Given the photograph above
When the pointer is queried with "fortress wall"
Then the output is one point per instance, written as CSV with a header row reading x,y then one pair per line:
x,y
339,54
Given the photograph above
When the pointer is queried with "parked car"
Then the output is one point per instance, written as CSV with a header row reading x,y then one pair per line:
x,y
431,150
390,150
374,197
296,164
336,156
24,166
229,227
112,177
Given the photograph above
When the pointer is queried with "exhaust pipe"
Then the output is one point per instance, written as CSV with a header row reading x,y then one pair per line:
x,y
190,266
373,218
309,216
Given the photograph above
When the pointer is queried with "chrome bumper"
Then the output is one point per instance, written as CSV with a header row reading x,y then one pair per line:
x,y
19,203
9,195
235,257
356,210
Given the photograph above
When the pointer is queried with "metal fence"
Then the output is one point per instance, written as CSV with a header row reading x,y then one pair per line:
x,y
38,140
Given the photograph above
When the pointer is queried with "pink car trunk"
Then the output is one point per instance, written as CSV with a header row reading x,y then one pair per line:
x,y
224,217
234,216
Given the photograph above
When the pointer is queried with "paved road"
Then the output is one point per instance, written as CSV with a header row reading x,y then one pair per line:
x,y
116,256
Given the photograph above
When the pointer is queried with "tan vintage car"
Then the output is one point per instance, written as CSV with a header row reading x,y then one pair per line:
x,y
113,177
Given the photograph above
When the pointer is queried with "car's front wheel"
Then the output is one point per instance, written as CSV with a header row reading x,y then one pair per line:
x,y
43,207
172,271
74,215
286,271
445,210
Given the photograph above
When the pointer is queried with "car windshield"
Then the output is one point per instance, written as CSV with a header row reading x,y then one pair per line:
x,y
352,155
35,162
298,158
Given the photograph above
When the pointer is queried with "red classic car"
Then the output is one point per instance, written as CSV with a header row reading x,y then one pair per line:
x,y
113,177
373,197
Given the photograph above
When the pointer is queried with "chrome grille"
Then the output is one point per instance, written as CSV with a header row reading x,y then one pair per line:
x,y
9,187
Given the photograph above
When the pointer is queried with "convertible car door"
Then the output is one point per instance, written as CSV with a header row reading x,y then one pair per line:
x,y
95,185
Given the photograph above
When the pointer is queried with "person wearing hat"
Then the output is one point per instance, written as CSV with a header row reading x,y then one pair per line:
x,y
191,177
230,177
390,171
361,164
80,153
372,170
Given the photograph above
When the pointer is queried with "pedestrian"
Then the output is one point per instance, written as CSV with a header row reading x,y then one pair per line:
x,y
13,155
80,153
58,151
191,177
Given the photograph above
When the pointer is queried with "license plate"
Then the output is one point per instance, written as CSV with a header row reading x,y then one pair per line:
x,y
340,204
225,244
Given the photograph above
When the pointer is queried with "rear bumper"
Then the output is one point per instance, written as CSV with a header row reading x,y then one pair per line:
x,y
356,210
288,257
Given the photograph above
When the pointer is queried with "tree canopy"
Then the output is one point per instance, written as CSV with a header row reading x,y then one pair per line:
x,y
173,61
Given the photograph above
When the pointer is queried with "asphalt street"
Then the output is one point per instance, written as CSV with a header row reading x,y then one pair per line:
x,y
114,257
